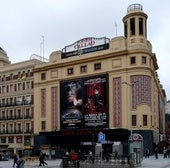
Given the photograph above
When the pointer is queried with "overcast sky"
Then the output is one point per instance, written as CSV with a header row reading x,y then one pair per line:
x,y
63,22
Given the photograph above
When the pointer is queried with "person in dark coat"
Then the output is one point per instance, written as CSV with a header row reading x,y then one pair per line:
x,y
156,152
42,159
15,160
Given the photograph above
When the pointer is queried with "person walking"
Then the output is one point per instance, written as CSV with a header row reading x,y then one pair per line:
x,y
42,159
20,162
15,160
156,152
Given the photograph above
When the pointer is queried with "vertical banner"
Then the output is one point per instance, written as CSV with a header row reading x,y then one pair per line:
x,y
95,102
71,104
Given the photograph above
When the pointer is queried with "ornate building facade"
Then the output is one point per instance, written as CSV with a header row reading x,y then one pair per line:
x,y
124,71
92,85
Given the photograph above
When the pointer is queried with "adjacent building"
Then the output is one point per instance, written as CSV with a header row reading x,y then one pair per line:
x,y
16,105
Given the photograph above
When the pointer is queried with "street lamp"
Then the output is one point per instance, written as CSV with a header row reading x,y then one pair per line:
x,y
131,85
23,123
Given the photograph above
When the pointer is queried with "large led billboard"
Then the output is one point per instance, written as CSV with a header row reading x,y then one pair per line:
x,y
84,102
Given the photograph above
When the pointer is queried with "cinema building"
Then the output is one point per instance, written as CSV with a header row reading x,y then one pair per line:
x,y
100,85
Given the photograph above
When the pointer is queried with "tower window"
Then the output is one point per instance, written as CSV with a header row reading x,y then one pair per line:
x,y
143,60
133,60
125,28
141,26
43,76
132,26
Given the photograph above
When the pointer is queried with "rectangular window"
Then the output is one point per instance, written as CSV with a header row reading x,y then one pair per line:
x,y
83,69
28,73
19,128
3,115
3,139
70,71
4,78
27,127
43,125
141,26
132,26
11,130
133,120
10,139
28,84
125,27
3,102
19,74
133,60
19,86
97,66
43,76
145,120
143,60
11,76
11,88
3,89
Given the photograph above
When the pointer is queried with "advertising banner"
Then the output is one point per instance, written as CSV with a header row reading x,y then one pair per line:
x,y
84,102
95,98
71,104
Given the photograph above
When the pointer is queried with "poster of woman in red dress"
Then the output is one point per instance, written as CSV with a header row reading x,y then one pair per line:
x,y
95,98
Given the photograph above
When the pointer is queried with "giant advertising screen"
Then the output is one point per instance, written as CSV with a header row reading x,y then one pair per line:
x,y
84,102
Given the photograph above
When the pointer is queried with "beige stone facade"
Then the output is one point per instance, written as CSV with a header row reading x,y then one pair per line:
x,y
16,105
125,67
136,99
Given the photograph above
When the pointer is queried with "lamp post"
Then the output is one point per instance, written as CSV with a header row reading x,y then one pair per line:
x,y
23,125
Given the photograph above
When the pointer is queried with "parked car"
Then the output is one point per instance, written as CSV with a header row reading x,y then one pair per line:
x,y
4,157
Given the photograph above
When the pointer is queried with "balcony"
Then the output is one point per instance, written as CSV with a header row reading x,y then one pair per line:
x,y
17,131
17,117
10,104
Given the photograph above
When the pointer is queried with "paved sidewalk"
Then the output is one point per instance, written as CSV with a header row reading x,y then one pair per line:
x,y
51,164
151,162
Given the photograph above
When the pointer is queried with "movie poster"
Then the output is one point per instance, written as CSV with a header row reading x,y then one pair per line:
x,y
71,104
95,102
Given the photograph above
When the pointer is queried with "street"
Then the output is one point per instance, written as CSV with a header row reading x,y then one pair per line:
x,y
150,162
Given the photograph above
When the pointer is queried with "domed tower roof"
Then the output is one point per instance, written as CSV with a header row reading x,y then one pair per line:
x,y
4,59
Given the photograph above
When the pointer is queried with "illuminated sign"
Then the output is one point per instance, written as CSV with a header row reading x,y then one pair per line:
x,y
85,45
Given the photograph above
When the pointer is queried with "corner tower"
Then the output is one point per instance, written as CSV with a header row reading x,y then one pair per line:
x,y
135,25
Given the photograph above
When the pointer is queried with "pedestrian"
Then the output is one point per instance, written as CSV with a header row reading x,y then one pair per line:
x,y
15,160
156,152
147,153
165,152
20,162
42,159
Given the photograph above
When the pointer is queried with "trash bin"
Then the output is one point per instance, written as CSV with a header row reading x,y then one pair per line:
x,y
65,162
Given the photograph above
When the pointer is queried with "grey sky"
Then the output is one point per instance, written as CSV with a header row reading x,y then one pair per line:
x,y
62,22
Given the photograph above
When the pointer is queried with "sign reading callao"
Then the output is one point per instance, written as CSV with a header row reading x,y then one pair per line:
x,y
85,45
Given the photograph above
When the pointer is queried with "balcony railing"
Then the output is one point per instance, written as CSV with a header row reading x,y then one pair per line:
x,y
9,104
17,117
17,131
